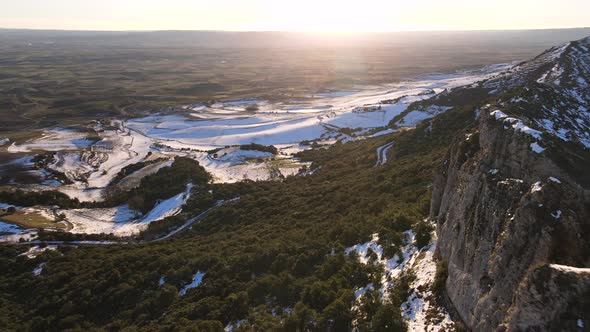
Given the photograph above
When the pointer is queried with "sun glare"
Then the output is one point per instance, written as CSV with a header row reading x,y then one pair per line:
x,y
331,16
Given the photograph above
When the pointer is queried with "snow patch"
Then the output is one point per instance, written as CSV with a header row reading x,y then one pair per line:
x,y
231,326
37,271
537,148
35,251
10,228
414,118
566,268
170,207
419,308
197,279
536,187
384,132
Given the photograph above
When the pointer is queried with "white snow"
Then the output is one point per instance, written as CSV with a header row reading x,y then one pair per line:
x,y
393,266
519,126
121,220
509,181
493,171
169,207
498,114
35,251
536,147
536,187
117,220
57,139
9,228
567,268
384,132
93,164
37,271
580,323
421,302
162,281
231,326
22,235
414,118
554,179
361,291
556,214
237,155
4,141
197,279
418,305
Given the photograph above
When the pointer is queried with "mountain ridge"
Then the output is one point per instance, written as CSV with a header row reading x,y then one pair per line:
x,y
511,200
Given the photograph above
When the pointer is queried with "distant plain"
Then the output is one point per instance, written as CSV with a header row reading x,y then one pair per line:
x,y
58,77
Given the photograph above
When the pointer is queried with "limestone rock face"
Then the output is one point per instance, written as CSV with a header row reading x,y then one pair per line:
x,y
512,207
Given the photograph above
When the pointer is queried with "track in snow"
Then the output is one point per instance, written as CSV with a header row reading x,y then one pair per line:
x,y
382,154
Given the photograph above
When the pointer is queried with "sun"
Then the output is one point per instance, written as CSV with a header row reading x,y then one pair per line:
x,y
331,16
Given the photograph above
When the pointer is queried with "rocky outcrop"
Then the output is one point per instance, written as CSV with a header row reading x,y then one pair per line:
x,y
505,212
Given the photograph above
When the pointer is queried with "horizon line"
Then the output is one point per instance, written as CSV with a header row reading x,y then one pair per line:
x,y
296,31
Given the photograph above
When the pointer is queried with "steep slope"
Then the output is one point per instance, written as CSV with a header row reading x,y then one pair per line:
x,y
511,201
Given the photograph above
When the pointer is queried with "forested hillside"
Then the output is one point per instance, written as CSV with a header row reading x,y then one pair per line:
x,y
275,258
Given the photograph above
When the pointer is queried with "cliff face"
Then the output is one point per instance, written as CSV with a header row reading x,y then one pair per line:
x,y
512,206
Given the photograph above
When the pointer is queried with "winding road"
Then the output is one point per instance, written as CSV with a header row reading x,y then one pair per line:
x,y
382,154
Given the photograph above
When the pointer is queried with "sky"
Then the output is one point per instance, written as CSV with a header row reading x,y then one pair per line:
x,y
294,15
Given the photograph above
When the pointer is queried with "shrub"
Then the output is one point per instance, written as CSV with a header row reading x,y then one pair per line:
x,y
423,232
440,278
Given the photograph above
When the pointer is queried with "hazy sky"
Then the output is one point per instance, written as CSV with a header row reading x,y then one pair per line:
x,y
299,15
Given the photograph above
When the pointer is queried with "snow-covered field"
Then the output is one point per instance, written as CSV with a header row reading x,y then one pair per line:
x,y
91,156
121,220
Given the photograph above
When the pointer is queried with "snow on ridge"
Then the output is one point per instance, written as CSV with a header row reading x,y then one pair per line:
x,y
518,125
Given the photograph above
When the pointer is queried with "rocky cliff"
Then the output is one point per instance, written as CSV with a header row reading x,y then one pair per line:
x,y
512,203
